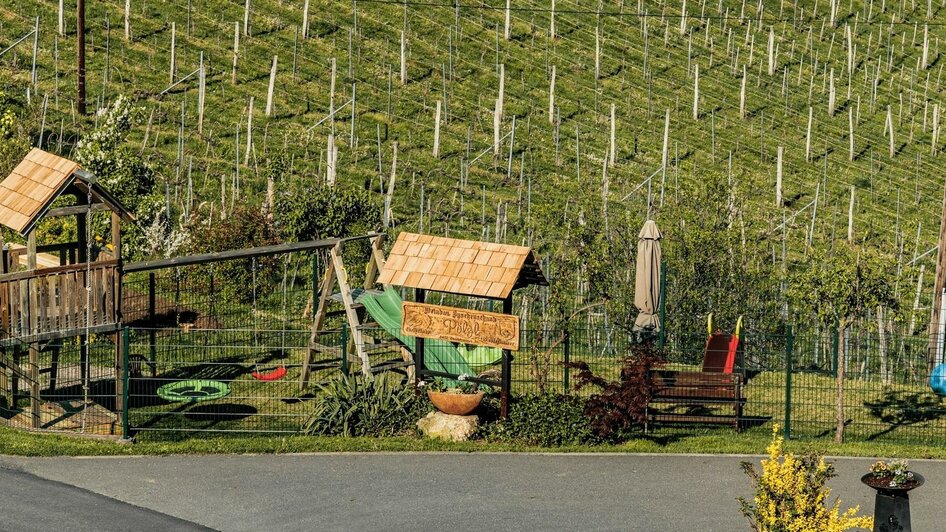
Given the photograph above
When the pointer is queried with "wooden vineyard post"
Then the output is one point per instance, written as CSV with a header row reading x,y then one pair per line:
x,y
850,122
771,51
305,20
665,153
926,47
236,50
831,94
811,116
127,20
201,94
742,94
173,46
850,217
935,139
403,59
506,28
889,129
249,132
696,91
332,153
612,148
331,95
246,19
497,113
272,87
62,19
437,132
389,195
552,96
778,178
502,89
597,53
33,78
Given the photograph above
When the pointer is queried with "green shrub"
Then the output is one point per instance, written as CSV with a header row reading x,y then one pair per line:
x,y
549,420
359,406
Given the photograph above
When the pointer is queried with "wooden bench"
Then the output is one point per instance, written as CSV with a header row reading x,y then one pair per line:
x,y
707,389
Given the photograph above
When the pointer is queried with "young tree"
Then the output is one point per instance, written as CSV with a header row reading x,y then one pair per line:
x,y
850,281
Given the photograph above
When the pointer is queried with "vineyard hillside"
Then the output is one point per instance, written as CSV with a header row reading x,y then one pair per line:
x,y
760,136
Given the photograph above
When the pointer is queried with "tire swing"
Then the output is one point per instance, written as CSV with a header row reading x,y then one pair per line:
x,y
193,391
272,375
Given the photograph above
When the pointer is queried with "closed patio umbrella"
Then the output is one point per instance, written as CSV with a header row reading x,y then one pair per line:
x,y
647,285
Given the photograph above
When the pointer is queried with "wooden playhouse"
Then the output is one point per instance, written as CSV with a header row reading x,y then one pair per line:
x,y
50,292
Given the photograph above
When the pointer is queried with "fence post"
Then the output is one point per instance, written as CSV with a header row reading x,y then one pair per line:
x,y
125,377
787,428
152,317
661,335
345,348
565,379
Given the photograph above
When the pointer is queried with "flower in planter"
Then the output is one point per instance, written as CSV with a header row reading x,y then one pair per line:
x,y
896,470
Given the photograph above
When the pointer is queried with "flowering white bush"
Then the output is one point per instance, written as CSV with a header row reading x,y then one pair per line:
x,y
122,172
162,238
100,152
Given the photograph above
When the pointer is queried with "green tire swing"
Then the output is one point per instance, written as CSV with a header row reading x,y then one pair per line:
x,y
193,391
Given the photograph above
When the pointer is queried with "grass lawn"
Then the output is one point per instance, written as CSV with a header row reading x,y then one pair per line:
x,y
717,441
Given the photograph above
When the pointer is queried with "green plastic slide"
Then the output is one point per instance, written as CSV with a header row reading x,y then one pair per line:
x,y
439,355
480,355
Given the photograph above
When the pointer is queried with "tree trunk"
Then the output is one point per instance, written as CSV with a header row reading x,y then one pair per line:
x,y
839,403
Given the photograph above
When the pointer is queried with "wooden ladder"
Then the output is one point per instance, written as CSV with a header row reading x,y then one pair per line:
x,y
336,274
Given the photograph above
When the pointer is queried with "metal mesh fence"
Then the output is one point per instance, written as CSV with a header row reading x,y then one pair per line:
x,y
220,380
786,379
74,380
270,293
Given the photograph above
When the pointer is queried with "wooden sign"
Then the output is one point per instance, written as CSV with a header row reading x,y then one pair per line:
x,y
461,325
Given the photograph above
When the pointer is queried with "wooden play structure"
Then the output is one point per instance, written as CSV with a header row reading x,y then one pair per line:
x,y
45,298
483,270
336,288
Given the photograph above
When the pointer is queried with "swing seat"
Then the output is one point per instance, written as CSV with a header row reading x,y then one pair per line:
x,y
273,375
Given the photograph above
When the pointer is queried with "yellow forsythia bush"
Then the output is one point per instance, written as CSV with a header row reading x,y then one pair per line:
x,y
790,495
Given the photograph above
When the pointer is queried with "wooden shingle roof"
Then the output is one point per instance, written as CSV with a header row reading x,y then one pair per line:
x,y
36,182
467,267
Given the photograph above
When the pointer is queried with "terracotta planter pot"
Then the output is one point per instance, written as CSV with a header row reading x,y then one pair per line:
x,y
457,404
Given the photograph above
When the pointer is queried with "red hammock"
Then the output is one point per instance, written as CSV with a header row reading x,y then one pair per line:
x,y
273,375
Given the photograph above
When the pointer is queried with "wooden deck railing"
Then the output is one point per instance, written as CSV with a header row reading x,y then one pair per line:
x,y
51,302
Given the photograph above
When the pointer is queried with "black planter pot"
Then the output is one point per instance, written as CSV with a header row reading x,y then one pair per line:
x,y
892,506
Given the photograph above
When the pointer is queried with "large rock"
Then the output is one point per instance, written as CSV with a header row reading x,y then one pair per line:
x,y
448,427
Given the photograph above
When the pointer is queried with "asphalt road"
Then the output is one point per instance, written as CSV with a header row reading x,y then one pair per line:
x,y
407,491
33,503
